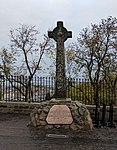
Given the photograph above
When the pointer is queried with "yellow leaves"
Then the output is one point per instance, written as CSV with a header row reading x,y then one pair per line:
x,y
83,91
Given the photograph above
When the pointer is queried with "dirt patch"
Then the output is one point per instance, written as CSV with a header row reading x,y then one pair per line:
x,y
14,134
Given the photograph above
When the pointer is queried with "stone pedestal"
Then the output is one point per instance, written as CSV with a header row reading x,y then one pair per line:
x,y
72,115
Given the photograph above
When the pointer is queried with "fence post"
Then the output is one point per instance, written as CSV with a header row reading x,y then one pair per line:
x,y
111,115
103,114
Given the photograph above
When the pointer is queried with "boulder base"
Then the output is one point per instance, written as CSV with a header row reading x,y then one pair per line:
x,y
58,114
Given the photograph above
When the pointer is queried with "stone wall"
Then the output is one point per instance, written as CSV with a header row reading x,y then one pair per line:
x,y
17,107
26,108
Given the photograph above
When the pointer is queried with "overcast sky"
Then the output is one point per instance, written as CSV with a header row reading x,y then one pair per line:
x,y
76,14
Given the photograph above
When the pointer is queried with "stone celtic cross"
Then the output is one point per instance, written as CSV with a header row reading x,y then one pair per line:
x,y
60,35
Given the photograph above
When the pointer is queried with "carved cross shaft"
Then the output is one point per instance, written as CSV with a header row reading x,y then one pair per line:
x,y
60,35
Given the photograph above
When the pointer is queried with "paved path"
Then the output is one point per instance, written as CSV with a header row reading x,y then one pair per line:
x,y
15,135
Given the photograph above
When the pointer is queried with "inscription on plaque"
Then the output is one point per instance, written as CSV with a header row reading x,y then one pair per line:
x,y
59,114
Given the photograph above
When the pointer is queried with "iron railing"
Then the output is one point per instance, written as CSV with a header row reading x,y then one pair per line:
x,y
13,88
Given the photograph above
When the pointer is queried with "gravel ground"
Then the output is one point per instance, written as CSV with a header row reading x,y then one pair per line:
x,y
15,135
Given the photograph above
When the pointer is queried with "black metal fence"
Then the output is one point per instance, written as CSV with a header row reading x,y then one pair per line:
x,y
13,88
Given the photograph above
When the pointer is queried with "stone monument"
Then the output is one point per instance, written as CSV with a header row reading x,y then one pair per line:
x,y
60,35
60,112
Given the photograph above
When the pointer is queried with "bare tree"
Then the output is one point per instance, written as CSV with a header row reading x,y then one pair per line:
x,y
25,55
95,47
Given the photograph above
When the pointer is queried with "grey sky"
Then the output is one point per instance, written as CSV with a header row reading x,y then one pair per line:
x,y
76,14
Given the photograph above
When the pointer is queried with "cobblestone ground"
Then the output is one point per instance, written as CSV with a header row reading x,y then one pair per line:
x,y
15,135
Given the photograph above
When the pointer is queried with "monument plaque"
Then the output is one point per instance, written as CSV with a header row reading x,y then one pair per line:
x,y
60,35
59,114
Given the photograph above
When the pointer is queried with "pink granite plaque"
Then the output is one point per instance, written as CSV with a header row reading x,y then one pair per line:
x,y
59,114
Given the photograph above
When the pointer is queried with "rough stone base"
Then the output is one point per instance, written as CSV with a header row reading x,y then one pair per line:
x,y
80,114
